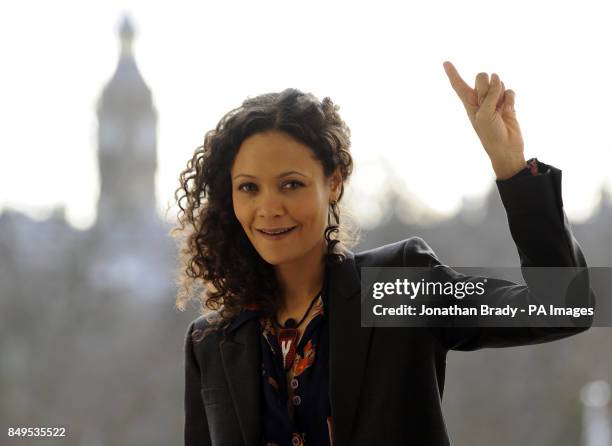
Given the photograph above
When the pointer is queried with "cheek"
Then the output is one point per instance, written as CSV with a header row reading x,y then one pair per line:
x,y
313,213
241,211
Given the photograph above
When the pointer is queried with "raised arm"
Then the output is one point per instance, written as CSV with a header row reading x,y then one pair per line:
x,y
531,195
543,237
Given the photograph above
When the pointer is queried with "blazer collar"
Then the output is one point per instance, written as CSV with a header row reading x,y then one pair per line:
x,y
240,319
348,347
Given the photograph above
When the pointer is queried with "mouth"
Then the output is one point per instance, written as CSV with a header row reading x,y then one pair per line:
x,y
275,234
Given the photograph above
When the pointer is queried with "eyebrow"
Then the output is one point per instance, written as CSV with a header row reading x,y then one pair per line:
x,y
284,174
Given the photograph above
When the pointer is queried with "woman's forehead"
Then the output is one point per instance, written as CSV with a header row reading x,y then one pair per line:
x,y
274,153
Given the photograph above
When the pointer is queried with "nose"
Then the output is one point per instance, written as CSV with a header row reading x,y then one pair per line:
x,y
270,205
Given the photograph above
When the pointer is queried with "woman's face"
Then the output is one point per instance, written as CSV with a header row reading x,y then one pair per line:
x,y
277,184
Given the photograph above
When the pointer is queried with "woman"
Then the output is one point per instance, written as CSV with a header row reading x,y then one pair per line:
x,y
280,358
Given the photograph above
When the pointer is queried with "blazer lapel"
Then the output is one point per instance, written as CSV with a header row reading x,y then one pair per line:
x,y
348,349
241,357
348,346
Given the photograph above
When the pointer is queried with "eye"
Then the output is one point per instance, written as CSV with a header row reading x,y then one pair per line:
x,y
247,187
294,184
252,187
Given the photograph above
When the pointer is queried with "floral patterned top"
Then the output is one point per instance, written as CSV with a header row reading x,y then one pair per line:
x,y
296,408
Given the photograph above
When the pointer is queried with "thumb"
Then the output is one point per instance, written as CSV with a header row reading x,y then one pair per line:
x,y
490,103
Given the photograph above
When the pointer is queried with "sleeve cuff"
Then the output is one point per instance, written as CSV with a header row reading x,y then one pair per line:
x,y
529,192
533,168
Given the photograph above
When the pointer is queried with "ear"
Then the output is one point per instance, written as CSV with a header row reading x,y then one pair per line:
x,y
336,185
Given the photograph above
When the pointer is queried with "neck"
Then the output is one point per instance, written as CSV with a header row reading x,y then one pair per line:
x,y
301,279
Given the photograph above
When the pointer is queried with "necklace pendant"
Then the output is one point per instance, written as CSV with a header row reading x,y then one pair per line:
x,y
287,339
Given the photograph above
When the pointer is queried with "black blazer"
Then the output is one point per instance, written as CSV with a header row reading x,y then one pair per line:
x,y
386,384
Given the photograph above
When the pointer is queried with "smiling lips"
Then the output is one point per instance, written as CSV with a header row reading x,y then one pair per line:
x,y
275,234
276,231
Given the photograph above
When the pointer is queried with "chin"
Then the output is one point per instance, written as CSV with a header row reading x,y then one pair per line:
x,y
279,256
276,258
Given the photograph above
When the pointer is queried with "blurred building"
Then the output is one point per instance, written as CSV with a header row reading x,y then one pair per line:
x,y
130,238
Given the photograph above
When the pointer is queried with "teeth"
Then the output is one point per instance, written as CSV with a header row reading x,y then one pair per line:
x,y
276,232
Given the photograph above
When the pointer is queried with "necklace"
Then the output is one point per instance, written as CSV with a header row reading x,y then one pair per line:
x,y
287,335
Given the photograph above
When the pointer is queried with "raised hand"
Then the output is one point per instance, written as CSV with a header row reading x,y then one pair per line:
x,y
490,108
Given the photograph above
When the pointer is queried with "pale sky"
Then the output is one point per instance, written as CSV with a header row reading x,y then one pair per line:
x,y
381,62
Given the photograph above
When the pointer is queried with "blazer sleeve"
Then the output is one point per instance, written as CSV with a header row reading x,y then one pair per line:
x,y
196,424
542,234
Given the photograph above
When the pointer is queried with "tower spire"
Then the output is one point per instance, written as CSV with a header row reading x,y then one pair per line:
x,y
126,36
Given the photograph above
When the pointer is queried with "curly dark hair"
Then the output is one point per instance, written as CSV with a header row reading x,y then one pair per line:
x,y
218,264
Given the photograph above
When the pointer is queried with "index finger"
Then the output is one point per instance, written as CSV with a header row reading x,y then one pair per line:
x,y
463,90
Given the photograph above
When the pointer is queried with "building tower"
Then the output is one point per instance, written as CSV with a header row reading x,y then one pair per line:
x,y
127,143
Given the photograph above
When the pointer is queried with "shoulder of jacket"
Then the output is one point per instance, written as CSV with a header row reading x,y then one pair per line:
x,y
416,250
202,326
206,320
413,251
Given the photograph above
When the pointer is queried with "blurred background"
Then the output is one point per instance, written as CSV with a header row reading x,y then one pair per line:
x,y
103,103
